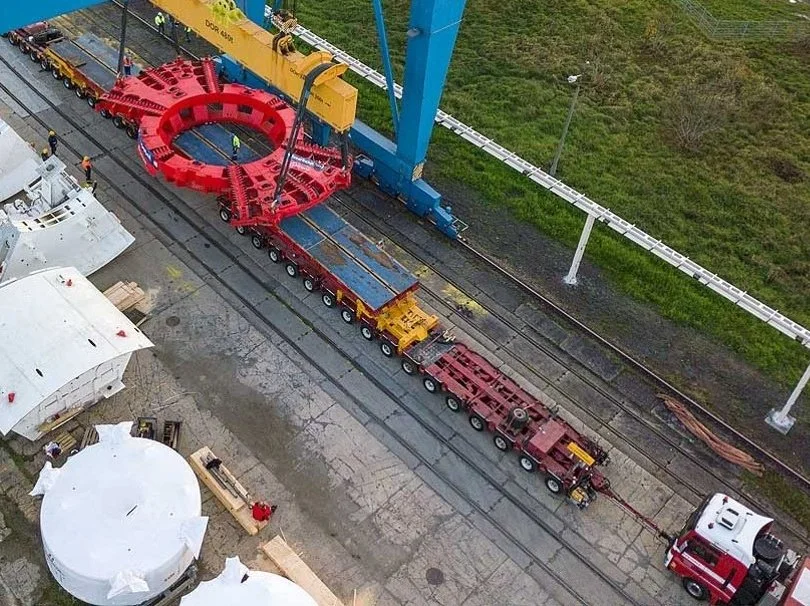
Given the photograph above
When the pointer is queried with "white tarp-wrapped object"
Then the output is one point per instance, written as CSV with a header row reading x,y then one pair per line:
x,y
121,522
46,480
258,589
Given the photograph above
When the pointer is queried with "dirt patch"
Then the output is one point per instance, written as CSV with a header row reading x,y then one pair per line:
x,y
370,251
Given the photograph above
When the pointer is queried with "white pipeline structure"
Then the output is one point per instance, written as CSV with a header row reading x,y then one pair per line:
x,y
120,520
47,219
239,586
63,347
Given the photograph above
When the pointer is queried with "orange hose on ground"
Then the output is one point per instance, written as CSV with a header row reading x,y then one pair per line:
x,y
724,449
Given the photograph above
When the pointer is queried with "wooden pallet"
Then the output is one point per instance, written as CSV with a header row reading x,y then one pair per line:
x,y
125,296
237,506
89,438
295,569
66,442
171,433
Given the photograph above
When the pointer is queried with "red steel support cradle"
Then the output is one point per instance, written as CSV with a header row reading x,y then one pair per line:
x,y
171,99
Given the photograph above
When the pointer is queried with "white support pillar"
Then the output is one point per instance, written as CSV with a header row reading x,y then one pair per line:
x,y
571,277
780,419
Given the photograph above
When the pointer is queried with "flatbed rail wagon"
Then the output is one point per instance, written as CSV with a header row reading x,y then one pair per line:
x,y
88,66
32,39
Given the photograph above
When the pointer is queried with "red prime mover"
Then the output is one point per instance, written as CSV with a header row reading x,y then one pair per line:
x,y
726,554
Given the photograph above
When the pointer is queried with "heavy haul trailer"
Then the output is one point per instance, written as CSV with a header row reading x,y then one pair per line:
x,y
32,39
519,421
88,65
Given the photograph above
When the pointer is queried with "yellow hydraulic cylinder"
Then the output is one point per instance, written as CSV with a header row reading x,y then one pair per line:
x,y
331,99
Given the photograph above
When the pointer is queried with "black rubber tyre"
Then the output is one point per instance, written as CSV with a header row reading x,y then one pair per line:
x,y
132,131
225,215
256,241
408,366
696,590
526,464
15,41
67,83
328,299
309,284
78,92
477,423
291,269
55,73
241,230
34,57
387,349
553,484
367,333
104,113
24,48
430,384
274,254
43,63
91,101
501,443
347,316
452,403
118,121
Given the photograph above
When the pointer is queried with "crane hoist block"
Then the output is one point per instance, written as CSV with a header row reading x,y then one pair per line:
x,y
332,100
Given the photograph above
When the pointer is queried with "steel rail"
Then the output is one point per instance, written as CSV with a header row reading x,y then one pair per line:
x,y
184,212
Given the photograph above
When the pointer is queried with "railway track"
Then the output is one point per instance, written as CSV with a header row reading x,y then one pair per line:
x,y
614,592
684,484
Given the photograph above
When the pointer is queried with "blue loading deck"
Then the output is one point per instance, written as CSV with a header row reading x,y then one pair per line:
x,y
350,256
211,144
85,63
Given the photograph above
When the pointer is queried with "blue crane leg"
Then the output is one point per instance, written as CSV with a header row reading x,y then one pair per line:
x,y
18,14
432,36
253,9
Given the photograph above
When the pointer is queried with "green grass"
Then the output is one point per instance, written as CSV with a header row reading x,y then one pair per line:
x,y
795,502
756,10
737,202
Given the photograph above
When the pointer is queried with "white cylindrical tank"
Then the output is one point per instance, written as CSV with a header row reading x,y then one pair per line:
x,y
255,589
120,520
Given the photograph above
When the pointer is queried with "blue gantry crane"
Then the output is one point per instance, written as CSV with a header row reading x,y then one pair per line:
x,y
396,165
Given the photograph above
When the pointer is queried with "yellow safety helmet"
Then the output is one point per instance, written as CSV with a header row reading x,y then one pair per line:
x,y
50,132
86,158
45,150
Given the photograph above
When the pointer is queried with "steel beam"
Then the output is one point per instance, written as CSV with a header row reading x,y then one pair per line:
x,y
18,14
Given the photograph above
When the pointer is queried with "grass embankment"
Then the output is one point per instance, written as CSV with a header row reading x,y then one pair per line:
x,y
701,143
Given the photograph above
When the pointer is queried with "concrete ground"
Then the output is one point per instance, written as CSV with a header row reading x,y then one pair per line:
x,y
380,489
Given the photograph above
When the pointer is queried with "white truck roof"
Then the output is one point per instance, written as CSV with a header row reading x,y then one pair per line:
x,y
55,326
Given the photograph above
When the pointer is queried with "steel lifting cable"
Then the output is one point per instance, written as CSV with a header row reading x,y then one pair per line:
x,y
730,453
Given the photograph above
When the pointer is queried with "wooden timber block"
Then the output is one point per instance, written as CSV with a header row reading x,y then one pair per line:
x,y
64,417
125,295
295,569
66,442
89,438
235,505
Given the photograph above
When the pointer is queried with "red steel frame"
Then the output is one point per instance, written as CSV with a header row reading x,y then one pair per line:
x,y
173,98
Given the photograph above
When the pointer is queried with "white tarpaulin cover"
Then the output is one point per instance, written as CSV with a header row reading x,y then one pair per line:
x,y
259,589
120,520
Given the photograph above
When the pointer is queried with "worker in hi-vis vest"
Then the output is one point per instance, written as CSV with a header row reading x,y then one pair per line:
x,y
236,144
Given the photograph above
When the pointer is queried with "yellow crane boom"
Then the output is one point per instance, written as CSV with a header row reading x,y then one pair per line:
x,y
270,57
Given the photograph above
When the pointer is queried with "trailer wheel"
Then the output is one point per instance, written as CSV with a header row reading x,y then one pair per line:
x,y
477,423
309,284
452,403
367,333
91,101
241,230
13,39
430,384
553,484
24,48
695,589
291,269
55,73
274,254
118,121
501,443
79,92
408,367
43,63
527,464
386,349
346,315
328,299
132,131
225,215
67,83
33,56
256,241
105,113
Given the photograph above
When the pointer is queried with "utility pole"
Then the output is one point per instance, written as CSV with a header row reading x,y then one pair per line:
x,y
574,80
